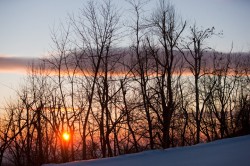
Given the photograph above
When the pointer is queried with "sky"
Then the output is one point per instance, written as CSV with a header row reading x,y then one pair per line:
x,y
25,29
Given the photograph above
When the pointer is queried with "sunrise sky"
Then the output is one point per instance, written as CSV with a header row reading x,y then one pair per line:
x,y
26,28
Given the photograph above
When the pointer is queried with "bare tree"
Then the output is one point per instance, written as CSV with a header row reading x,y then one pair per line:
x,y
7,130
195,59
168,27
97,30
141,66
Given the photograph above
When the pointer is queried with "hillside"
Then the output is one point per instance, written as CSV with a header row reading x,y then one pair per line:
x,y
227,152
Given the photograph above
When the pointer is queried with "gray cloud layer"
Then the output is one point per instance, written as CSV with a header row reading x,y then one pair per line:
x,y
9,64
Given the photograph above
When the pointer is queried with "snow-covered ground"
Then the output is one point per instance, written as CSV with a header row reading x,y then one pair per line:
x,y
227,152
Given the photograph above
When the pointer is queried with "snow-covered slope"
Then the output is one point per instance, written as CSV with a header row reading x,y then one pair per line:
x,y
227,152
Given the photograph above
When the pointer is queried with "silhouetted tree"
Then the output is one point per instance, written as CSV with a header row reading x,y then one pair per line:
x,y
168,28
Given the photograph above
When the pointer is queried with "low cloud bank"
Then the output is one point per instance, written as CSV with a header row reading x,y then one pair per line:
x,y
15,64
10,64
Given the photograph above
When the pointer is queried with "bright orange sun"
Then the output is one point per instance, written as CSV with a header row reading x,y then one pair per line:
x,y
66,136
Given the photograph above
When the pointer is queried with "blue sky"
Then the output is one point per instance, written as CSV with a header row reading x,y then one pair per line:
x,y
25,26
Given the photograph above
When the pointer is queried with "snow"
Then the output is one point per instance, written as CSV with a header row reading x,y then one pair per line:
x,y
227,152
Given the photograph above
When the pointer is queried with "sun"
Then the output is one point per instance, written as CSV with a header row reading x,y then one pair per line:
x,y
66,136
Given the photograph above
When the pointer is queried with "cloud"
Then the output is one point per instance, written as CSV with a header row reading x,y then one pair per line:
x,y
9,64
21,65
